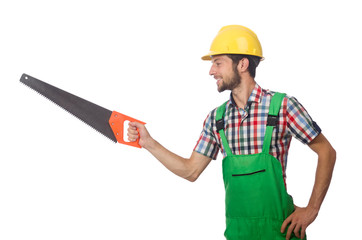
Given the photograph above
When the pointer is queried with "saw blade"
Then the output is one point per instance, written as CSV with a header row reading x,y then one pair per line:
x,y
93,115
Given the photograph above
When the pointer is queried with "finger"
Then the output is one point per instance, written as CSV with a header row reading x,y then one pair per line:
x,y
132,137
285,223
132,131
297,231
302,235
290,230
135,124
131,126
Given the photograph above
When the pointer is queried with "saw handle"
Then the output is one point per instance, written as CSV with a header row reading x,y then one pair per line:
x,y
116,121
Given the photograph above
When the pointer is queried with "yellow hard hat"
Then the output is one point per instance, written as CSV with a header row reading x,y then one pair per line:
x,y
235,39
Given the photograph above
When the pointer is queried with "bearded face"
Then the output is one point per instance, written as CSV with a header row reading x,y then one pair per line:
x,y
230,81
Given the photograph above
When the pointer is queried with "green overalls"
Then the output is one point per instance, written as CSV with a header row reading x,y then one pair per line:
x,y
256,200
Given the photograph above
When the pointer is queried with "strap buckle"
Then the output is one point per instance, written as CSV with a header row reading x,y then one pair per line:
x,y
219,125
272,120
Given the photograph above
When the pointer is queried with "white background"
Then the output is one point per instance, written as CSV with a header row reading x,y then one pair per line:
x,y
59,179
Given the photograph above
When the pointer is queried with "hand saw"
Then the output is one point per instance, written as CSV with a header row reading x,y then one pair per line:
x,y
109,123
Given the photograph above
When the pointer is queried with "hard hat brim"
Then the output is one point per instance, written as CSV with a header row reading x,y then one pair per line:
x,y
208,57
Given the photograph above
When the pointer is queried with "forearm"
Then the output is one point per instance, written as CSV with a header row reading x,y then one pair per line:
x,y
176,164
301,218
326,161
188,168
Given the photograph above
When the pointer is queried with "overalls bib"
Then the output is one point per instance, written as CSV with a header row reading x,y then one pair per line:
x,y
256,200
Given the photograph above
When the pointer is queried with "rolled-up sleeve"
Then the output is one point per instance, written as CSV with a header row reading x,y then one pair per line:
x,y
207,144
299,122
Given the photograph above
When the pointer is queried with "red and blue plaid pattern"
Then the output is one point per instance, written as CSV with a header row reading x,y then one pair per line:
x,y
245,129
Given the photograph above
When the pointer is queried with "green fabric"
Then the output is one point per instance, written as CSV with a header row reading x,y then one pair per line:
x,y
219,115
274,108
256,200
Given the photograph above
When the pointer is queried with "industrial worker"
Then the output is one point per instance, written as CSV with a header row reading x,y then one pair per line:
x,y
253,130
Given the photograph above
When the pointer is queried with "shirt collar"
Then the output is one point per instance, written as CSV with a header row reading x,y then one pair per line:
x,y
255,96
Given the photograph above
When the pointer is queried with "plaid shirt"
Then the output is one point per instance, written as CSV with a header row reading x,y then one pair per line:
x,y
245,129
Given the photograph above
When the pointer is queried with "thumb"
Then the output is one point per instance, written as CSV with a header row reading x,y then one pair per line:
x,y
136,124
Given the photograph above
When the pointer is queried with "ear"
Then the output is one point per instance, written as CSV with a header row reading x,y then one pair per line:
x,y
243,65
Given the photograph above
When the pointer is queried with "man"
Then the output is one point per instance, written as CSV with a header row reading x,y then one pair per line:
x,y
253,130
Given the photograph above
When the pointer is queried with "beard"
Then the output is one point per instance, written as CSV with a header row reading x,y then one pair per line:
x,y
233,82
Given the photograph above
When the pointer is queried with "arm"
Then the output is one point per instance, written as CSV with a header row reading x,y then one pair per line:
x,y
301,218
188,168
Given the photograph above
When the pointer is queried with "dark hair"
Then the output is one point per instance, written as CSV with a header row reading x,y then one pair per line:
x,y
253,62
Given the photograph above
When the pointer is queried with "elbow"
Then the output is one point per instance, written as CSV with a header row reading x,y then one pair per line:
x,y
191,174
333,154
330,155
194,166
192,177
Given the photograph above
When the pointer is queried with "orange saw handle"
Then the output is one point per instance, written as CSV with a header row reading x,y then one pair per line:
x,y
116,121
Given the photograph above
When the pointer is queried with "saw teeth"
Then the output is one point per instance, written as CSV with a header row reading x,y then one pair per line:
x,y
25,80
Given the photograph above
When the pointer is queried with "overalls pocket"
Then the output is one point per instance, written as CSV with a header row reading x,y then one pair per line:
x,y
245,186
247,174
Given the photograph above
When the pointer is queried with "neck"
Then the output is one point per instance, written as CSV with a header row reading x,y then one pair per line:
x,y
242,92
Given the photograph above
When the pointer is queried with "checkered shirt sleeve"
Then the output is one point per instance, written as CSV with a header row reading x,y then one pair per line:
x,y
207,144
300,124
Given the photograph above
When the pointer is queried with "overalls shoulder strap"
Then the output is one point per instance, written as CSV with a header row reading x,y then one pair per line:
x,y
220,124
220,111
272,121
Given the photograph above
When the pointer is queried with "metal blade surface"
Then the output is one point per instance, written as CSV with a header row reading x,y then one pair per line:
x,y
95,116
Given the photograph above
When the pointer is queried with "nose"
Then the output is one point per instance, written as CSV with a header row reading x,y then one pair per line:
x,y
212,70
